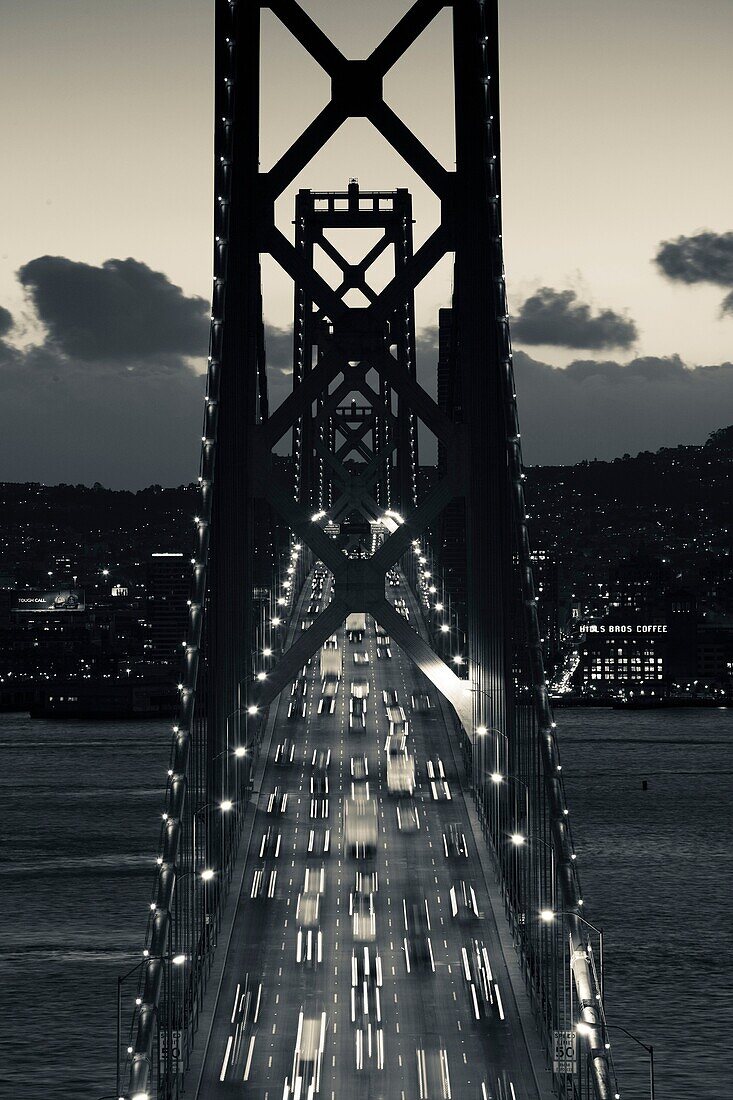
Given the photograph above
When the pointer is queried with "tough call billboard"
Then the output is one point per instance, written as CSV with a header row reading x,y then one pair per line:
x,y
51,601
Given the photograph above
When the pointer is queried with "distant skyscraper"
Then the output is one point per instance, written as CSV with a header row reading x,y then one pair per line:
x,y
547,589
169,580
638,584
451,525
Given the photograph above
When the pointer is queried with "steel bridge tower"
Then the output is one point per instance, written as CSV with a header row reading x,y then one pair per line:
x,y
383,438
263,518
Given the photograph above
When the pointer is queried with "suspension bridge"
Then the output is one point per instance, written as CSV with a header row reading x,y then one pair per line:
x,y
365,881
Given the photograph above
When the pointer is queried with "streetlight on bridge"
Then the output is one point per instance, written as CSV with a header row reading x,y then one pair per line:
x,y
481,733
174,960
207,874
519,840
548,915
583,1028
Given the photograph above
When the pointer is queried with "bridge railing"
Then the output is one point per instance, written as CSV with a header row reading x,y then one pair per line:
x,y
515,804
517,783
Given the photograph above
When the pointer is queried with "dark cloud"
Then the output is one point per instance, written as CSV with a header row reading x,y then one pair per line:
x,y
279,359
78,421
556,317
110,394
132,419
650,367
279,349
705,258
6,321
123,419
604,409
122,310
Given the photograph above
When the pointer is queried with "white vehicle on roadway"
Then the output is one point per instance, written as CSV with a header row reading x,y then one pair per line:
x,y
454,843
435,769
270,845
319,842
363,918
360,828
263,883
309,941
463,904
483,989
440,790
433,1077
304,1082
408,817
357,713
359,767
400,774
277,803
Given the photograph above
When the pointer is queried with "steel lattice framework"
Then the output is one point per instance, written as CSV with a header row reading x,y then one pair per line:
x,y
384,439
501,702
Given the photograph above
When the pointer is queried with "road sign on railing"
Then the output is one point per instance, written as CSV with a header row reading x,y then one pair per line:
x,y
564,1051
176,1037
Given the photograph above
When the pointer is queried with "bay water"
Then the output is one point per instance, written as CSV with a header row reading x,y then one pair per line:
x,y
81,804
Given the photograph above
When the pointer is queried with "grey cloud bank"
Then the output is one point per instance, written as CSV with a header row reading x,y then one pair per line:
x,y
120,310
6,321
605,409
112,396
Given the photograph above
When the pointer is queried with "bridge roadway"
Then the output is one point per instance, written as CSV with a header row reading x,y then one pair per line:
x,y
427,1041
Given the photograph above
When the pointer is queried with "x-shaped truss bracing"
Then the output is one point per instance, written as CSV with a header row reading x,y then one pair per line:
x,y
359,341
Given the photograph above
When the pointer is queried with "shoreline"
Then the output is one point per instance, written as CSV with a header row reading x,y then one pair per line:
x,y
656,704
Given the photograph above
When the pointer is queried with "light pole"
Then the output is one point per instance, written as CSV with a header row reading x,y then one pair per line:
x,y
120,979
583,1029
226,805
481,733
479,768
548,915
176,960
518,839
233,747
207,873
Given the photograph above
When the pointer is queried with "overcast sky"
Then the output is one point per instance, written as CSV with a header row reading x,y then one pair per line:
x,y
618,225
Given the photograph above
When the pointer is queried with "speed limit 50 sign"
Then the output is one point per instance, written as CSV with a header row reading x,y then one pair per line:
x,y
565,1049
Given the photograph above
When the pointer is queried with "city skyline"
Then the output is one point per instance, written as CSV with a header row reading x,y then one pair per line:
x,y
610,186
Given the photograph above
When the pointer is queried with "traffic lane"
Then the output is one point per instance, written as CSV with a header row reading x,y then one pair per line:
x,y
433,1013
265,1053
370,1080
268,960
509,1061
426,734
395,674
426,1015
413,1034
339,1069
